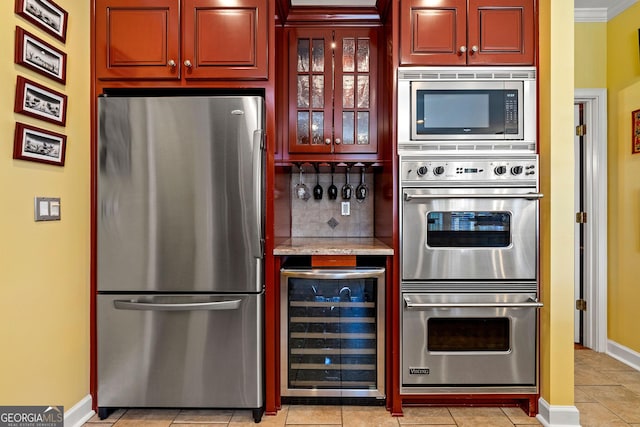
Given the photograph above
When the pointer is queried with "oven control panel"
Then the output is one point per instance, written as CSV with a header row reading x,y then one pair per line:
x,y
515,171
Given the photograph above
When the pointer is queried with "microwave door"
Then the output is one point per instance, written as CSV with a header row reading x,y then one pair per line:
x,y
459,110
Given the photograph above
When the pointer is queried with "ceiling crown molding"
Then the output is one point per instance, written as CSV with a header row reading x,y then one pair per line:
x,y
590,14
602,14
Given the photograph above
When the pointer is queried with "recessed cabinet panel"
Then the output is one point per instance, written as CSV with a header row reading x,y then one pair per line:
x,y
506,35
433,32
227,45
127,41
435,35
426,39
223,40
137,39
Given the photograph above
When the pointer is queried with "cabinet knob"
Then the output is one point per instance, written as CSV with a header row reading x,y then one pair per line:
x,y
338,141
171,63
474,49
462,49
327,141
187,63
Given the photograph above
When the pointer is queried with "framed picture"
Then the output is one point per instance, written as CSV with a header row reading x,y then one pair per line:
x,y
46,15
39,145
40,56
635,132
35,100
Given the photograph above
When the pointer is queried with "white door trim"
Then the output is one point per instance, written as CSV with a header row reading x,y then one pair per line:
x,y
595,285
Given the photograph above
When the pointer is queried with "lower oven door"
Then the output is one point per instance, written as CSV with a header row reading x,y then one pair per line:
x,y
459,340
469,234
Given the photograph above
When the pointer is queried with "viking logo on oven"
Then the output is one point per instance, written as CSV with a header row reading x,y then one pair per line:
x,y
418,371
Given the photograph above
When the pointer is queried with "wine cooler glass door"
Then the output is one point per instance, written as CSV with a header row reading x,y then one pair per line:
x,y
332,333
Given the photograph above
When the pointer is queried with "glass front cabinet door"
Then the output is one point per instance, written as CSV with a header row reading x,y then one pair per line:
x,y
332,91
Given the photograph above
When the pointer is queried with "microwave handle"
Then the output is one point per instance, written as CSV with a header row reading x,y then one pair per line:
x,y
531,303
528,196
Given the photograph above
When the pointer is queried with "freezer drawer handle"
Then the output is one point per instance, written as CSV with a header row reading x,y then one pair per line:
x,y
531,303
528,196
216,305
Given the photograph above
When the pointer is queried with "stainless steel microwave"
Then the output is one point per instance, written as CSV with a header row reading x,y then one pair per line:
x,y
467,108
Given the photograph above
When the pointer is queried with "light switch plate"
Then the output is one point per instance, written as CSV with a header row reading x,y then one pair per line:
x,y
47,208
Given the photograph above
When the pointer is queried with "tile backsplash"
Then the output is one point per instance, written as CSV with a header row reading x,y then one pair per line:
x,y
323,218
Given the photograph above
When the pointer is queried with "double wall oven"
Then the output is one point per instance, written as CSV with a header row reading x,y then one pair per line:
x,y
469,187
469,253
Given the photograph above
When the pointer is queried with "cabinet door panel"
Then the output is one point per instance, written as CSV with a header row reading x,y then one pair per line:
x,y
355,91
225,41
137,40
310,96
502,30
432,33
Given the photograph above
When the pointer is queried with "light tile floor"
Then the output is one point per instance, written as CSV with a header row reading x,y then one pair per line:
x,y
607,393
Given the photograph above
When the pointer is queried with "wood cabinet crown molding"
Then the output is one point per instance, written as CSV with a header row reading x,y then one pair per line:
x,y
349,12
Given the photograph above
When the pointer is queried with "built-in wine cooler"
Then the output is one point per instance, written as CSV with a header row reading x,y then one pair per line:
x,y
332,332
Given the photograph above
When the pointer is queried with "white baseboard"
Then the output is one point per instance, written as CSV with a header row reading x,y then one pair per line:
x,y
557,415
80,413
624,354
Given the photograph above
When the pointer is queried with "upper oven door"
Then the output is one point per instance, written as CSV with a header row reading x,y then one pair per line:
x,y
469,234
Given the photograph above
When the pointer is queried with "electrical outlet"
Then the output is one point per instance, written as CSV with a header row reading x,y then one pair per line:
x,y
346,209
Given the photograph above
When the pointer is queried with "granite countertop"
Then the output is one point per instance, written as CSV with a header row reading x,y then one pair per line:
x,y
332,246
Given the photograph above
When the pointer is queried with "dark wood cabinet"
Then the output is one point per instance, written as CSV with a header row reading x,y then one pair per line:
x,y
332,90
224,41
467,32
137,39
148,39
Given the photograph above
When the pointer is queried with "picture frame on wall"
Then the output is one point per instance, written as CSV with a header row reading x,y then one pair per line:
x,y
46,15
39,145
35,100
635,131
39,56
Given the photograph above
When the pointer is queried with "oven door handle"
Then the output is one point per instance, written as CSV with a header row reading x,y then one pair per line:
x,y
528,196
531,303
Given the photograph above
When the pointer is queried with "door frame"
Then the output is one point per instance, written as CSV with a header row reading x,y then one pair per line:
x,y
595,188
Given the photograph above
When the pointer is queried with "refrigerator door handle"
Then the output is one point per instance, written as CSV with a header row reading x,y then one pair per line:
x,y
215,305
258,147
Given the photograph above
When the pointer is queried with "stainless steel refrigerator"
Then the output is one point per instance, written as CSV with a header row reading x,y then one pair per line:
x,y
180,205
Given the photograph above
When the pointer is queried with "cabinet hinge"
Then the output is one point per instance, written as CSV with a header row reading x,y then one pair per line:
x,y
581,305
581,130
581,217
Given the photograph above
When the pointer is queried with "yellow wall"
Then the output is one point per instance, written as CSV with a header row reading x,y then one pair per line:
x,y
590,55
556,224
623,84
45,266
